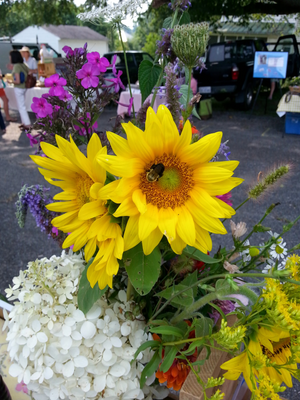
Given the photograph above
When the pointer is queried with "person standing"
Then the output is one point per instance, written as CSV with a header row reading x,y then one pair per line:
x,y
20,72
4,98
29,61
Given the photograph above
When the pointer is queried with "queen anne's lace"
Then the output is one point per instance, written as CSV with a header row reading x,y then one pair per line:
x,y
114,13
59,352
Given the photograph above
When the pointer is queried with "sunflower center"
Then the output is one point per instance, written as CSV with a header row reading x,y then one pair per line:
x,y
278,348
83,190
173,187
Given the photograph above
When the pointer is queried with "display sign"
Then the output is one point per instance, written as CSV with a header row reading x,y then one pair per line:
x,y
270,64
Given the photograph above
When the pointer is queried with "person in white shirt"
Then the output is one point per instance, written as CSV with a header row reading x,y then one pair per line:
x,y
29,61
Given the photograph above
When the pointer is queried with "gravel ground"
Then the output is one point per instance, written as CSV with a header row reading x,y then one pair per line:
x,y
256,141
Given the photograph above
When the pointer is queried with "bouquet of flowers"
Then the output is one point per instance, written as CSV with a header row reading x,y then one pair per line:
x,y
127,309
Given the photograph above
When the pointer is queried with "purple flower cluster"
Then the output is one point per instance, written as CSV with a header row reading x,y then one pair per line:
x,y
89,73
77,52
226,306
35,198
163,46
181,4
84,127
223,151
172,92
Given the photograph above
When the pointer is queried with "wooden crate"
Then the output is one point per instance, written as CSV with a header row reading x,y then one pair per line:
x,y
46,69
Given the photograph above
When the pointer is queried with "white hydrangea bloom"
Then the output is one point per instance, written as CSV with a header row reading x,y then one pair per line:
x,y
113,13
59,352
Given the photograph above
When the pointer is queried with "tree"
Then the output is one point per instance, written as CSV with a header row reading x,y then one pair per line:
x,y
150,45
204,10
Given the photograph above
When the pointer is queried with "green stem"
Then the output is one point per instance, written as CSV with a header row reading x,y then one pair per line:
x,y
213,277
130,290
163,65
244,202
126,66
188,95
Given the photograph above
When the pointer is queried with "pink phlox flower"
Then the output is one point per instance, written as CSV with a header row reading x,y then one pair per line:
x,y
81,130
56,108
56,84
89,75
95,59
54,230
21,387
117,81
226,198
69,52
66,96
114,65
127,105
32,139
46,95
41,107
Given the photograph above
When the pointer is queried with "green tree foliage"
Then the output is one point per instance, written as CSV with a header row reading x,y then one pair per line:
x,y
150,45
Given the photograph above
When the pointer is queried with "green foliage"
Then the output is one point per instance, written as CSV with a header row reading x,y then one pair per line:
x,y
150,45
181,300
184,91
198,255
148,76
143,271
150,368
169,358
88,296
185,18
168,330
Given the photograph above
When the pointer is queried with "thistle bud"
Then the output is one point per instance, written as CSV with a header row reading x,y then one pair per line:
x,y
189,42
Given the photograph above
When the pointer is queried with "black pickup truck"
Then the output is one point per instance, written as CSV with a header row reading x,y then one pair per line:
x,y
229,68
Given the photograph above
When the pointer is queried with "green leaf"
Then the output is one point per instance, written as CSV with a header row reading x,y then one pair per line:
x,y
168,330
167,23
96,116
189,280
260,228
88,296
78,123
112,207
190,351
144,346
148,76
150,368
168,359
143,271
185,18
109,178
183,300
203,326
198,255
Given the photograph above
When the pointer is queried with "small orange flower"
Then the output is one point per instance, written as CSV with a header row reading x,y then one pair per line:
x,y
194,129
178,372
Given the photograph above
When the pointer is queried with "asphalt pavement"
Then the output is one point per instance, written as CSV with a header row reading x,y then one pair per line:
x,y
255,140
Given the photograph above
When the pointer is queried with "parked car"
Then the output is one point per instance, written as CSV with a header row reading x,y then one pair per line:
x,y
134,59
229,68
6,47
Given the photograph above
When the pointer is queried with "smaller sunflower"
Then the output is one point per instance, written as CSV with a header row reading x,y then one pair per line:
x,y
84,215
274,345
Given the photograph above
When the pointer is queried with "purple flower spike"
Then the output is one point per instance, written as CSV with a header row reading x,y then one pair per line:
x,y
41,107
89,75
95,59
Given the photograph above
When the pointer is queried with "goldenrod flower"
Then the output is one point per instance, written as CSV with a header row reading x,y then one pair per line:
x,y
168,185
84,215
275,345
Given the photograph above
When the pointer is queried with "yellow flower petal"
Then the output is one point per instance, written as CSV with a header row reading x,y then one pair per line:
x,y
167,222
178,245
63,206
119,246
126,208
121,167
185,227
210,173
170,132
206,202
119,145
137,143
94,145
148,222
232,164
139,199
90,249
131,238
65,196
203,238
205,221
151,241
94,190
217,189
184,139
91,210
64,219
154,132
226,208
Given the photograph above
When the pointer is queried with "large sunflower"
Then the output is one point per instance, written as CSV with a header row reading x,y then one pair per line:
x,y
168,186
84,216
275,345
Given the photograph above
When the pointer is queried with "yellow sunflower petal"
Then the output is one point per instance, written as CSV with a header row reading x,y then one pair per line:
x,y
52,151
98,172
54,166
70,240
203,238
119,145
95,227
94,190
227,209
178,245
154,132
92,210
123,167
167,222
186,226
107,191
210,173
170,131
63,206
205,221
64,219
206,202
112,266
90,249
137,143
184,139
94,145
119,246
80,241
139,199
126,208
217,189
202,151
65,196
148,222
151,241
131,238
232,164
